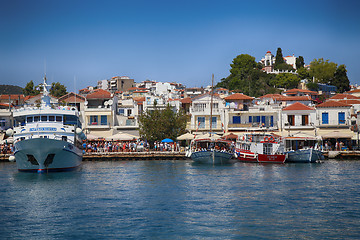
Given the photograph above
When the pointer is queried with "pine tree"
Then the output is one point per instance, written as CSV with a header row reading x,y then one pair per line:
x,y
341,80
279,59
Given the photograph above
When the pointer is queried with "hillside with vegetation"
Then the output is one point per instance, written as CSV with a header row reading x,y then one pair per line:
x,y
10,89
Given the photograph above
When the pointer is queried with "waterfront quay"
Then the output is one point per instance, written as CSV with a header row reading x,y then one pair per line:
x,y
123,156
134,156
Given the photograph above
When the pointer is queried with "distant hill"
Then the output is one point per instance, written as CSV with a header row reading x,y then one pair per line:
x,y
10,89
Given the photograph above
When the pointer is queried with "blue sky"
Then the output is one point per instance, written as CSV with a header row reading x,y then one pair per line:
x,y
81,42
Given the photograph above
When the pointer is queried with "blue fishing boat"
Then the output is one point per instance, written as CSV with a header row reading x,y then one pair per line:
x,y
301,148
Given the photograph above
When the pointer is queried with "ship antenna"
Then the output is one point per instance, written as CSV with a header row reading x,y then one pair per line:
x,y
211,102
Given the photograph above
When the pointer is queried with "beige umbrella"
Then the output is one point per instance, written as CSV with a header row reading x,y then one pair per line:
x,y
207,135
92,137
186,136
337,134
121,137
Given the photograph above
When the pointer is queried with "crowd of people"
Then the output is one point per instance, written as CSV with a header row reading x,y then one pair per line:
x,y
127,146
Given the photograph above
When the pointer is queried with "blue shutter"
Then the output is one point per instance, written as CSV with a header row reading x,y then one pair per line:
x,y
263,121
257,119
341,118
214,122
250,119
103,120
201,121
271,121
325,118
236,120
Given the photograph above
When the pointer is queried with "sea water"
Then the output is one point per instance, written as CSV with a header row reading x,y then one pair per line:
x,y
182,200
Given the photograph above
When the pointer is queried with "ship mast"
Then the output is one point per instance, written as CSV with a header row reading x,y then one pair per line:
x,y
211,102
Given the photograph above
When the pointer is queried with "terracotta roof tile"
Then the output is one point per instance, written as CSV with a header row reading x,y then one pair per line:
x,y
12,96
99,94
343,96
333,104
297,107
353,91
139,99
238,96
295,90
186,100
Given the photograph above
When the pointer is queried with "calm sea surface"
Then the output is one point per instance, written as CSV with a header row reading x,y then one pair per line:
x,y
180,200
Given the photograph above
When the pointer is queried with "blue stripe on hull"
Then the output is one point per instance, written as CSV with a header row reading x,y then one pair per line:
x,y
207,157
303,156
66,155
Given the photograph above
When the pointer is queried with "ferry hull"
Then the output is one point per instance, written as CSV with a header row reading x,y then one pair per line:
x,y
260,158
43,154
304,156
211,157
274,158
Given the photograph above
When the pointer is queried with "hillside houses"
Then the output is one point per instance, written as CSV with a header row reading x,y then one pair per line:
x,y
107,109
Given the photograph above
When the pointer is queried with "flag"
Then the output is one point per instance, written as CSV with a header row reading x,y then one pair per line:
x,y
223,128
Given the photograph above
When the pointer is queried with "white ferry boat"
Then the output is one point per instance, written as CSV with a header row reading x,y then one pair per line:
x,y
47,138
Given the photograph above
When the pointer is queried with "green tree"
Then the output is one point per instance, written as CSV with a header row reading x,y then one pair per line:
x,y
286,80
313,86
57,90
158,124
30,89
300,63
340,80
303,73
322,71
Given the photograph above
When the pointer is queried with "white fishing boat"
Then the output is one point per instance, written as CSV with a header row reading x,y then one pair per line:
x,y
46,138
210,150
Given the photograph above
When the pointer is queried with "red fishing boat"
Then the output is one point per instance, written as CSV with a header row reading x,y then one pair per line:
x,y
260,148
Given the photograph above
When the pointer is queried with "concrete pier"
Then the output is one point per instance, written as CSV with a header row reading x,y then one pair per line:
x,y
123,156
134,156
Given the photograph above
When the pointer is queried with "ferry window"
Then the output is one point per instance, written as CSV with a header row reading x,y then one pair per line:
x,y
29,119
58,118
36,118
51,118
70,119
64,138
44,118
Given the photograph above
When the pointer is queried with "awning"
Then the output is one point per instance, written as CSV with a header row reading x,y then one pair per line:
x,y
343,133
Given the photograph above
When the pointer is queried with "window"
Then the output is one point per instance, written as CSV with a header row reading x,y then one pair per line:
x,y
70,119
36,118
29,119
201,122
121,111
51,118
291,120
341,117
129,112
44,118
59,118
93,120
304,120
103,120
325,118
236,119
263,120
214,122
